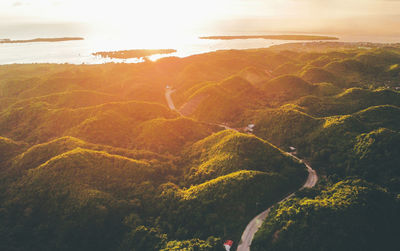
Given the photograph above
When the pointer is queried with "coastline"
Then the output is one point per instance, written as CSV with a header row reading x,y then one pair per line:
x,y
40,40
126,54
273,37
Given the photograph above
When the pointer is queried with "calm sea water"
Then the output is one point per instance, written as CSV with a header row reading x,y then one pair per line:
x,y
78,52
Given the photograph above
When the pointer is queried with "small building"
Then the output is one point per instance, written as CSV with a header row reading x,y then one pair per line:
x,y
249,128
167,87
292,149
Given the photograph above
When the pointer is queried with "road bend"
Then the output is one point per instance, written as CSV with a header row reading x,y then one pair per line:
x,y
256,222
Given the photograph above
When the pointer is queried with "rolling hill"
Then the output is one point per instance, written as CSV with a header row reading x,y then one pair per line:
x,y
91,157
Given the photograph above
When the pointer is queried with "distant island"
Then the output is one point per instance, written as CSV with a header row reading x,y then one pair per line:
x,y
36,40
132,53
275,37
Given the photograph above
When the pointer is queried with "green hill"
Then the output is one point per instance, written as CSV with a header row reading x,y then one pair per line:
x,y
71,99
351,70
287,68
387,116
39,154
229,151
225,193
335,140
377,156
6,102
309,56
349,215
254,75
224,101
108,166
327,141
109,123
287,87
321,61
319,75
326,89
379,58
8,149
73,198
285,126
347,102
87,167
366,68
171,135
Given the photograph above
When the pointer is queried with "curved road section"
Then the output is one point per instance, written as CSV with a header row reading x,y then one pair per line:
x,y
170,103
255,224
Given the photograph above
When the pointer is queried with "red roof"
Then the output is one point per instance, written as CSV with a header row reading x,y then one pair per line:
x,y
228,242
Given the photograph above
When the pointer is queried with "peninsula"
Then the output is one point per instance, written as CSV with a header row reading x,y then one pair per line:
x,y
274,37
37,40
132,53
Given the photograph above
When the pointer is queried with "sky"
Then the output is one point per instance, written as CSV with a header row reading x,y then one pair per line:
x,y
314,16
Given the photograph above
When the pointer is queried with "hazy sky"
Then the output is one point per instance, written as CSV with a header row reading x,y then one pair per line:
x,y
364,16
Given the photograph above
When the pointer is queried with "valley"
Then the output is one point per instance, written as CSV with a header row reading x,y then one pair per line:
x,y
184,153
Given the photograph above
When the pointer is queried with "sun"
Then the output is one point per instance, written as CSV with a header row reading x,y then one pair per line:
x,y
161,16
153,24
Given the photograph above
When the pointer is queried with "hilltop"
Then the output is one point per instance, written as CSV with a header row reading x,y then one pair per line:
x,y
349,207
92,158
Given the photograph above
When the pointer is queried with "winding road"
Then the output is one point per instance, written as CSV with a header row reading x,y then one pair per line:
x,y
256,222
171,105
170,102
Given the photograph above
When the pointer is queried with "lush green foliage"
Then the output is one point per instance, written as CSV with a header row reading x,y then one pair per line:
x,y
92,159
8,149
229,151
349,215
231,97
377,157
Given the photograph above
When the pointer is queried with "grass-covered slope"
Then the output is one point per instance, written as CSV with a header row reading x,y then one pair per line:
x,y
110,123
254,75
8,149
349,215
40,153
224,101
229,151
338,133
72,200
285,126
171,135
222,206
287,87
84,167
287,68
94,181
71,99
349,101
377,158
319,75
387,116
220,172
330,142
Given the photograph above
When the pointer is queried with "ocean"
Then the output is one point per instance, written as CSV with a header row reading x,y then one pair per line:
x,y
80,52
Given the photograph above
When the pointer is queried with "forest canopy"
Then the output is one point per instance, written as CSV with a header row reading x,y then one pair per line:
x,y
92,157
